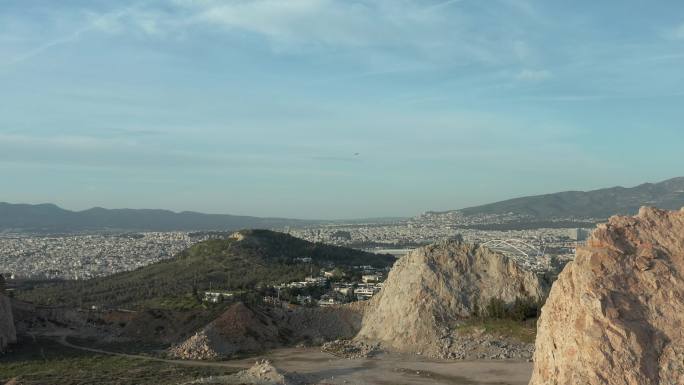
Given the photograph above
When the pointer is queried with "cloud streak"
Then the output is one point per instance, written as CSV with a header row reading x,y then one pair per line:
x,y
95,21
533,75
86,151
377,32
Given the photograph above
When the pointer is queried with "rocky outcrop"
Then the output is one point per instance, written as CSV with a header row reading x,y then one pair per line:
x,y
433,287
616,314
7,330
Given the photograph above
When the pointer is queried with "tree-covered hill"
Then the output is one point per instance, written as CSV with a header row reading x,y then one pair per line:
x,y
246,260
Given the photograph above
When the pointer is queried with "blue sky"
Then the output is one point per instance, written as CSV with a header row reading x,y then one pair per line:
x,y
335,109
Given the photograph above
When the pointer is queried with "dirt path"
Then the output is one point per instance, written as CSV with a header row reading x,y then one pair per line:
x,y
62,339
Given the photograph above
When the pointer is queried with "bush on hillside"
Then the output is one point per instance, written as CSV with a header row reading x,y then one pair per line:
x,y
520,310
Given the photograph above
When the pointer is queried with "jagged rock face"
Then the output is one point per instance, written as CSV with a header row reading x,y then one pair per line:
x,y
615,315
7,331
431,288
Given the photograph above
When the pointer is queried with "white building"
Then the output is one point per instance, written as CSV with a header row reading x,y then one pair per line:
x,y
217,296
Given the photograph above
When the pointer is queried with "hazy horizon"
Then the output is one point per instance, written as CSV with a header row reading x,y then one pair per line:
x,y
316,218
329,109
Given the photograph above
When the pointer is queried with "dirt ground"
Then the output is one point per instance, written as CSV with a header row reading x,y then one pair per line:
x,y
397,370
383,369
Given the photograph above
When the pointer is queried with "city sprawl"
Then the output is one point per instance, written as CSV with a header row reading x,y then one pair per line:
x,y
88,256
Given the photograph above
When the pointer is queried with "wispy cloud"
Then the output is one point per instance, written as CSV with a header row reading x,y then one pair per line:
x,y
677,32
442,5
93,22
378,31
533,75
113,152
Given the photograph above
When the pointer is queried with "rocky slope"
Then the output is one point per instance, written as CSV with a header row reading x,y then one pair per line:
x,y
254,329
7,331
433,287
616,313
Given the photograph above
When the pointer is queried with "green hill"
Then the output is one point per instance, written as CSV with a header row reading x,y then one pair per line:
x,y
246,260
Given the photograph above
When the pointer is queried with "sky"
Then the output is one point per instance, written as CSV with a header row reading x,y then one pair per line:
x,y
335,109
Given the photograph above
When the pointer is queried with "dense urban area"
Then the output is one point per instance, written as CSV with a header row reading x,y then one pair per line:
x,y
88,256
77,257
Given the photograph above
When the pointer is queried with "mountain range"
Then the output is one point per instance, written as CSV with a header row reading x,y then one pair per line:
x,y
51,218
579,206
587,205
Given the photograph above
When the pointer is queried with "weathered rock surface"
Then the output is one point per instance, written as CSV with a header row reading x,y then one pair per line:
x,y
7,330
431,288
616,314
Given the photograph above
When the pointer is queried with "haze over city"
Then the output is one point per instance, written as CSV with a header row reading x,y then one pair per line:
x,y
334,109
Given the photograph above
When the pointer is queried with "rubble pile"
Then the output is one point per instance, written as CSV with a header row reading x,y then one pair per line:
x,y
194,348
485,347
261,373
350,349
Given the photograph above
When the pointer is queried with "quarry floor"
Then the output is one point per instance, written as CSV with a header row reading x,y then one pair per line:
x,y
398,370
385,369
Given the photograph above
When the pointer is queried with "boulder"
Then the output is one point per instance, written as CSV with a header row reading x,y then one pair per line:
x,y
616,314
433,287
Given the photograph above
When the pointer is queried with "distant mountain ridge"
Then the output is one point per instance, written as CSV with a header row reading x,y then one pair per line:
x,y
51,218
595,204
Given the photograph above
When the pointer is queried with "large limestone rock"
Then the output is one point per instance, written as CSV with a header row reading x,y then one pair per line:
x,y
7,331
431,288
615,315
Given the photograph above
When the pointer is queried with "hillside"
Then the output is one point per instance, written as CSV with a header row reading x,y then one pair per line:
x,y
51,218
247,259
596,204
7,330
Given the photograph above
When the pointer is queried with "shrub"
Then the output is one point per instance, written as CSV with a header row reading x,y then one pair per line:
x,y
496,308
520,310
